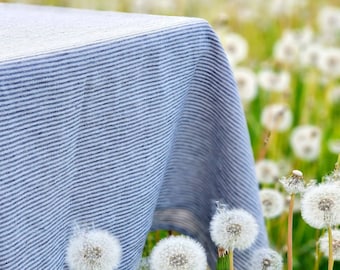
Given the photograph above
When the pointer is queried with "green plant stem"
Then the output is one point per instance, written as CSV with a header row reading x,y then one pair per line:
x,y
231,259
317,253
330,249
268,226
337,164
221,265
290,233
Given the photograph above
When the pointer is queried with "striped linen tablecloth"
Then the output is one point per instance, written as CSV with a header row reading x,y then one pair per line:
x,y
122,122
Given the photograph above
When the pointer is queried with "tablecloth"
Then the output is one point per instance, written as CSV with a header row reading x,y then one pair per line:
x,y
122,122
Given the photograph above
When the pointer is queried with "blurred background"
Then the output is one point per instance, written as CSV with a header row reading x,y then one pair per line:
x,y
285,55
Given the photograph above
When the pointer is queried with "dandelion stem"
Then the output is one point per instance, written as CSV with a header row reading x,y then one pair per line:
x,y
317,253
290,233
231,259
337,164
330,247
264,149
268,225
222,262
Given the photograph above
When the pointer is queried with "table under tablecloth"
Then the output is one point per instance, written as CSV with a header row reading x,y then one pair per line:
x,y
121,122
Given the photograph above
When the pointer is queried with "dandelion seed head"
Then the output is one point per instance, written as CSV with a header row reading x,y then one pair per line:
x,y
302,37
233,229
276,117
267,171
93,250
294,183
266,259
178,260
310,56
92,254
272,202
246,83
320,205
325,204
178,253
270,80
329,19
236,47
335,243
305,141
329,62
286,51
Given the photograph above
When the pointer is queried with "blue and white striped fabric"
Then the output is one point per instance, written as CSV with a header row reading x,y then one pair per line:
x,y
124,122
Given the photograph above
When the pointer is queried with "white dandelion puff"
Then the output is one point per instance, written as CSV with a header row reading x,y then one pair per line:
x,y
320,205
93,250
301,37
272,201
233,229
286,51
267,171
270,80
266,259
310,56
294,183
276,117
178,253
329,20
335,243
246,83
236,48
329,62
305,141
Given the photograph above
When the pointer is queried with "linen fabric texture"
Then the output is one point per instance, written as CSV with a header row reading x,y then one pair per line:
x,y
120,131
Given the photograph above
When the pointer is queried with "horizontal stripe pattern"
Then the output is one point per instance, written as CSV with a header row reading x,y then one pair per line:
x,y
132,134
